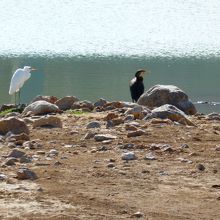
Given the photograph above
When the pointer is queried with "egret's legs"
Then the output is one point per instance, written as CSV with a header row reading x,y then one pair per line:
x,y
19,97
15,98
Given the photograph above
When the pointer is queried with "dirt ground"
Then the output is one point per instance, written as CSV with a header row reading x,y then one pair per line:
x,y
89,179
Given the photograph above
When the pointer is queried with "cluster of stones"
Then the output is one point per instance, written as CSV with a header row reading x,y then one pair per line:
x,y
166,103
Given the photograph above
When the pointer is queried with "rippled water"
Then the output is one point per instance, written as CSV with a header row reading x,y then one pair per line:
x,y
110,27
92,48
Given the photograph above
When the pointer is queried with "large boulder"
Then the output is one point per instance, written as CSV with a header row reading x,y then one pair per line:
x,y
170,112
66,102
159,95
13,125
41,108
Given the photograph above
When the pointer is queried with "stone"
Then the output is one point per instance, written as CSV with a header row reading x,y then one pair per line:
x,y
25,159
18,137
138,112
129,127
149,156
41,108
110,165
31,144
117,121
128,156
3,177
137,215
172,113
159,95
53,152
25,173
217,148
100,103
83,105
103,137
110,116
93,124
200,167
66,103
213,116
48,121
51,99
136,133
16,153
13,125
10,161
89,135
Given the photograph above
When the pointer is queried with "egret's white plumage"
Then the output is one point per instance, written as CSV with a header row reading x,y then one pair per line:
x,y
18,79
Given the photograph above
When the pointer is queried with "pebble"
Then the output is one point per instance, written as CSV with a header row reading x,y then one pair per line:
x,y
128,156
110,165
2,177
217,148
200,167
137,215
150,156
184,146
103,137
53,152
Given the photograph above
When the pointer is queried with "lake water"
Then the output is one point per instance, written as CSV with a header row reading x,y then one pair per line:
x,y
92,48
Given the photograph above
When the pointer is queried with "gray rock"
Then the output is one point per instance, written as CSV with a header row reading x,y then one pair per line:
x,y
103,137
93,124
13,125
41,108
25,173
66,102
16,153
99,103
10,161
160,95
172,113
128,156
48,121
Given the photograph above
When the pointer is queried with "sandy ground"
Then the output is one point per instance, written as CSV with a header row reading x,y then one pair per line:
x,y
89,179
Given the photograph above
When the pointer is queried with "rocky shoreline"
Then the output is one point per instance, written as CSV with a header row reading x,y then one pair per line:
x,y
71,159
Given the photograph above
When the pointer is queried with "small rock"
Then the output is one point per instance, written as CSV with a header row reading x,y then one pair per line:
x,y
10,161
130,127
150,156
135,133
200,167
184,146
128,156
110,165
3,177
66,102
93,124
103,137
25,159
99,103
126,146
137,215
25,173
53,152
217,148
89,135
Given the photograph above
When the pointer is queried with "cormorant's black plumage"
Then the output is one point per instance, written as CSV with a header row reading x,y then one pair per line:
x,y
137,86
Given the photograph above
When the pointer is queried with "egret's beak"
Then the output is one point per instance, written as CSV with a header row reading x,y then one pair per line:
x,y
33,69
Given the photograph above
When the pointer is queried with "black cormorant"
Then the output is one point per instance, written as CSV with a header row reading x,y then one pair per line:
x,y
137,85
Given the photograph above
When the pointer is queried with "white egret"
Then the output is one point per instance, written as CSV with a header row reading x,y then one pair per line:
x,y
18,79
